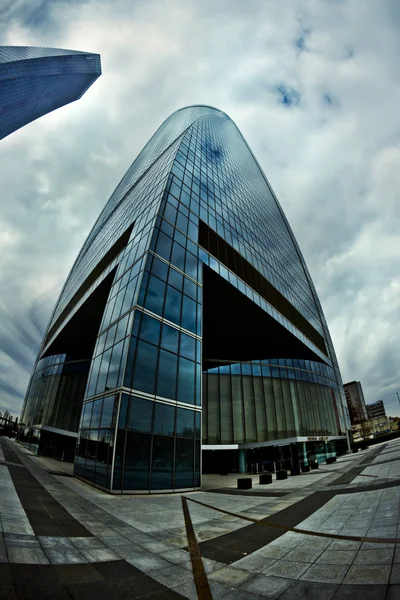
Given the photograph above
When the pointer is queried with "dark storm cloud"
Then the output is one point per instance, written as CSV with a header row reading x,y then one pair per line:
x,y
328,142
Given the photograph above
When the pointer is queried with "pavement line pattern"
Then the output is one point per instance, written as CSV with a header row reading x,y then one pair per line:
x,y
199,574
45,514
333,536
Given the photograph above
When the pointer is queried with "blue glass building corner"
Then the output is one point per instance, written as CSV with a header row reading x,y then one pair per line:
x,y
35,81
192,304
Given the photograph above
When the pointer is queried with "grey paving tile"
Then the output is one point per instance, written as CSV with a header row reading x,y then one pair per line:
x,y
156,547
344,545
272,551
149,562
368,574
240,594
253,563
218,590
99,555
175,556
130,551
64,557
325,573
268,587
31,556
395,574
287,568
55,542
361,592
307,555
209,565
231,576
172,576
337,557
380,556
393,592
90,543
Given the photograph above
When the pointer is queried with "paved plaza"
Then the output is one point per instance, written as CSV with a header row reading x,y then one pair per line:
x,y
61,538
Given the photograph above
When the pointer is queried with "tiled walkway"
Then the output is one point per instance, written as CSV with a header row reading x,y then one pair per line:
x,y
103,546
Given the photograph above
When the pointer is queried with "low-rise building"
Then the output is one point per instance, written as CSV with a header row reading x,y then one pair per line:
x,y
371,428
376,409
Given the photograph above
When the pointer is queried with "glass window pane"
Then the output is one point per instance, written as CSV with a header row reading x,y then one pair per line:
x,y
186,380
188,346
145,367
150,330
87,416
189,309
96,414
140,414
184,464
170,338
184,423
163,247
160,269
178,256
130,362
175,279
123,411
108,414
137,462
155,295
164,419
115,363
172,310
162,463
119,457
198,425
105,363
166,377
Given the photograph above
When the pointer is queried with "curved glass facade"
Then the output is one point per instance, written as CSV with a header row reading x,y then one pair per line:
x,y
35,81
189,280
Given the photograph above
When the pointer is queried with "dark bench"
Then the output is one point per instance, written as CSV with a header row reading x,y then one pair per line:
x,y
281,474
265,478
305,469
314,464
295,471
330,460
244,483
355,450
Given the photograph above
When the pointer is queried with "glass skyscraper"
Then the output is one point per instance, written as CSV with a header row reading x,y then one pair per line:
x,y
189,321
35,81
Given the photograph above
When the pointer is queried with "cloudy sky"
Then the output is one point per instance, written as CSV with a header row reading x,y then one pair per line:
x,y
314,86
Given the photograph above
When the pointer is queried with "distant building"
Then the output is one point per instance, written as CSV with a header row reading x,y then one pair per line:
x,y
376,409
36,81
371,428
355,402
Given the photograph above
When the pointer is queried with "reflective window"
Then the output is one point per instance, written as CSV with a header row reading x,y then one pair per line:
x,y
140,414
186,380
184,423
137,462
162,463
145,367
164,419
170,338
166,377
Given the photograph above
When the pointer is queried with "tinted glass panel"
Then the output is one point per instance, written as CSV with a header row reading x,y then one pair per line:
x,y
140,414
137,462
162,463
164,419
184,423
184,463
